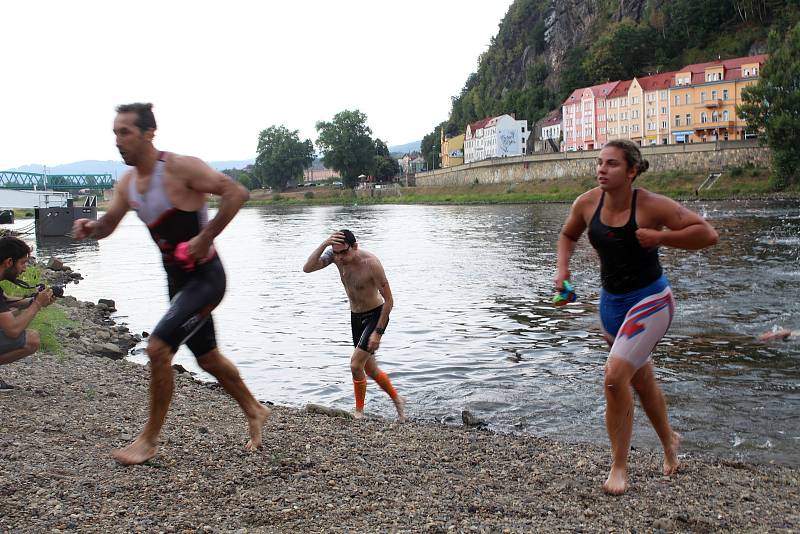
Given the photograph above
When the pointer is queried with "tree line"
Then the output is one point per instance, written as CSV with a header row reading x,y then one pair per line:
x,y
346,144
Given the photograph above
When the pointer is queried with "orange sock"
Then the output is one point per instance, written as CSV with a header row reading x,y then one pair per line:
x,y
360,387
386,385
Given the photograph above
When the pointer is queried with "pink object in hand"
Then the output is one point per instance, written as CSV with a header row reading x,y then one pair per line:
x,y
182,256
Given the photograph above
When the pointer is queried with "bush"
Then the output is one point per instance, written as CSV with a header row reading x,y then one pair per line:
x,y
735,171
277,198
308,194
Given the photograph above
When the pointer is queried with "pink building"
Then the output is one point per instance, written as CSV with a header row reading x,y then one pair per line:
x,y
584,117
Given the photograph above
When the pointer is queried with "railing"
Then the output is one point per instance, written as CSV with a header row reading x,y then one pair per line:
x,y
35,180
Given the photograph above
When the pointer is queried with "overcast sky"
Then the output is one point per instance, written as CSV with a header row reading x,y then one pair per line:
x,y
219,72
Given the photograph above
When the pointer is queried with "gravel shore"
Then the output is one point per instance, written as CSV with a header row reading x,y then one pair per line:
x,y
323,474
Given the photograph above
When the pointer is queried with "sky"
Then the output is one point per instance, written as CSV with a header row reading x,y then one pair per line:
x,y
219,72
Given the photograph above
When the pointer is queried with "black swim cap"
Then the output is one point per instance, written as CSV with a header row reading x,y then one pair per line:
x,y
349,237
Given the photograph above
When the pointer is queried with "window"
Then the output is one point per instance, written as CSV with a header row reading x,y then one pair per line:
x,y
677,120
703,118
663,110
714,117
635,128
725,115
688,98
663,125
635,114
677,100
663,95
602,130
725,94
688,119
702,97
713,95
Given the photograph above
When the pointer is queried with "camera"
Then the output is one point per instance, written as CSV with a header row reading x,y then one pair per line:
x,y
58,290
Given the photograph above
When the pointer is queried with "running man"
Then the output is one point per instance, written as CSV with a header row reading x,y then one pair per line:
x,y
636,304
168,192
370,304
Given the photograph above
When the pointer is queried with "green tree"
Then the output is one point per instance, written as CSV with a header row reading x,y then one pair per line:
x,y
384,166
282,157
772,106
347,145
431,147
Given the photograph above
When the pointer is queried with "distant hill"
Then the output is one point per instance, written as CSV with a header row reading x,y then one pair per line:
x,y
408,147
115,168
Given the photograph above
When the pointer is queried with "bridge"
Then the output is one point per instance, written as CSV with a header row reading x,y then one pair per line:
x,y
34,180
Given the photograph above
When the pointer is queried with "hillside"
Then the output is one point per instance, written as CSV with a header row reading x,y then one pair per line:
x,y
544,49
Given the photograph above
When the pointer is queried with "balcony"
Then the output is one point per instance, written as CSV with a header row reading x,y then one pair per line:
x,y
713,103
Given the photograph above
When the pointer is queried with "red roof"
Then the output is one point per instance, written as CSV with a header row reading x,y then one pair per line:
x,y
604,89
621,89
477,125
734,63
600,90
664,80
554,117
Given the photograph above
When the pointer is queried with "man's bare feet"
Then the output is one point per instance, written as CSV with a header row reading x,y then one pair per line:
x,y
254,426
136,453
358,414
400,404
671,462
617,481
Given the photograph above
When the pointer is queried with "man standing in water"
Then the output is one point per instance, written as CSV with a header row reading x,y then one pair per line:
x,y
370,304
168,191
625,226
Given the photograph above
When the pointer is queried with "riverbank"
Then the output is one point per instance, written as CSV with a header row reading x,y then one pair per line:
x,y
738,183
323,474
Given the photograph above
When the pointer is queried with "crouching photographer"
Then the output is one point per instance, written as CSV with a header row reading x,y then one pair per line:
x,y
16,340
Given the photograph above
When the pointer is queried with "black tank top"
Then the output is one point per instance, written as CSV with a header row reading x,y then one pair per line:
x,y
624,265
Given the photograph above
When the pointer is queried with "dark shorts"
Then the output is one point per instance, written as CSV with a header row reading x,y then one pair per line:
x,y
188,319
7,344
363,324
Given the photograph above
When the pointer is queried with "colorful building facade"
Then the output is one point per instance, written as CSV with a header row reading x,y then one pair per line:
x,y
695,104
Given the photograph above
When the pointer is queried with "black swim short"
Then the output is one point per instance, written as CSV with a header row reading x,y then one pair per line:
x,y
8,344
193,296
363,324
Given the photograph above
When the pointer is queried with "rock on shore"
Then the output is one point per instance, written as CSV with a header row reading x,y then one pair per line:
x,y
325,474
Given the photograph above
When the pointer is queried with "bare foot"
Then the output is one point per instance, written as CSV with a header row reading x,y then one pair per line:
x,y
617,481
358,414
254,426
671,462
136,453
400,404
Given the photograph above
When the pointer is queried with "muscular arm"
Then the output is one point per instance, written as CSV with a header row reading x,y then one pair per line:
x,y
105,225
198,176
317,260
14,325
687,229
571,232
386,292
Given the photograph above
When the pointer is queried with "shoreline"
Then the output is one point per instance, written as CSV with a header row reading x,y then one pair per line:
x,y
324,474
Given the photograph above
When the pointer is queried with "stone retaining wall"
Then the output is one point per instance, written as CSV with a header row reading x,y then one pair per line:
x,y
693,157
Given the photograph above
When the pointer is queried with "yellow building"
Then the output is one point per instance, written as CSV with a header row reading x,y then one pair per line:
x,y
704,97
655,98
452,153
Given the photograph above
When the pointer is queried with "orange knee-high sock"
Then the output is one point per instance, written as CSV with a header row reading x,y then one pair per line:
x,y
386,385
360,387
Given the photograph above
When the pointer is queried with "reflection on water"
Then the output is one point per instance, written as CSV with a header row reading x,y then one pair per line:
x,y
473,328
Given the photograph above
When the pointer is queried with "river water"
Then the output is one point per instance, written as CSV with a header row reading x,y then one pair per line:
x,y
473,328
